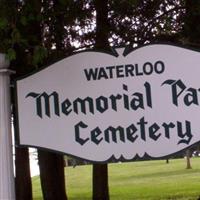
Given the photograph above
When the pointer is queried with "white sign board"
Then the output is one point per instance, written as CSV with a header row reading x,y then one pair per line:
x,y
99,106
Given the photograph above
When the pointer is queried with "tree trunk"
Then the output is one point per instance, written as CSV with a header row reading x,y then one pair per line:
x,y
191,26
51,165
191,33
23,184
52,175
100,171
100,182
23,176
188,166
102,24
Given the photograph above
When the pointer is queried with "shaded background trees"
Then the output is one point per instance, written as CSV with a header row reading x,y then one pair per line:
x,y
38,33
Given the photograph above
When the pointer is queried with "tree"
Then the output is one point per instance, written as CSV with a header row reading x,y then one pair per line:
x,y
23,178
40,36
188,162
28,53
9,36
53,186
191,30
100,171
191,37
36,35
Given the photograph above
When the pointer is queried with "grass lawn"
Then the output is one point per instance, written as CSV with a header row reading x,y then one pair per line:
x,y
147,180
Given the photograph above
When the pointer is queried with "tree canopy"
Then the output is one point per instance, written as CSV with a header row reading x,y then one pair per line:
x,y
44,31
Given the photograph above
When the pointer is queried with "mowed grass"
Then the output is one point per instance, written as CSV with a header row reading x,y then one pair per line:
x,y
144,180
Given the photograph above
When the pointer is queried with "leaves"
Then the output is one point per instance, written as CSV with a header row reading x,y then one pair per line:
x,y
41,28
3,23
11,54
15,36
39,54
23,20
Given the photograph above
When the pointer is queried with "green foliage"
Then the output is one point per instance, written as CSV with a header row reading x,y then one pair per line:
x,y
23,20
3,23
39,54
15,36
64,2
11,54
26,25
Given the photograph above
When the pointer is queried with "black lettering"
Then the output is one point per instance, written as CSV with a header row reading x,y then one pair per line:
x,y
137,101
177,88
161,65
114,101
137,73
91,73
94,135
113,132
46,99
148,94
130,131
126,98
191,97
65,107
120,71
78,139
102,104
82,105
142,124
129,70
147,68
187,136
167,128
110,69
152,131
102,74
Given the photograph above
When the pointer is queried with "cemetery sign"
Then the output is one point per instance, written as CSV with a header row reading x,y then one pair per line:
x,y
122,105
